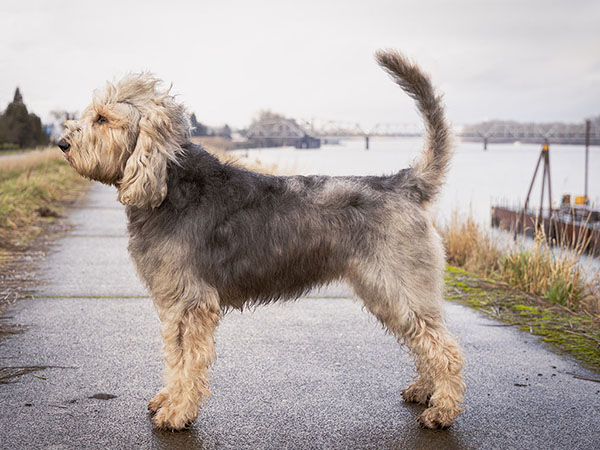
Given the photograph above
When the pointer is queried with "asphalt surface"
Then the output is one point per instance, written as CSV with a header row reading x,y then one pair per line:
x,y
317,373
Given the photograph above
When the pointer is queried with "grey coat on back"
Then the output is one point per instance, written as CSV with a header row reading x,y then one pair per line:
x,y
259,238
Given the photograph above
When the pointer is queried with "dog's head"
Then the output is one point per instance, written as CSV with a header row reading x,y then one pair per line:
x,y
126,136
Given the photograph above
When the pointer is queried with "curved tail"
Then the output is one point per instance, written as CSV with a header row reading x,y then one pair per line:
x,y
432,166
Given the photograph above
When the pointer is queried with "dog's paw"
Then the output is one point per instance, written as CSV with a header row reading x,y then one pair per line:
x,y
157,402
435,417
170,419
416,394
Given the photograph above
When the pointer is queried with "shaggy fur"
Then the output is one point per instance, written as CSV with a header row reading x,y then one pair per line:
x,y
207,236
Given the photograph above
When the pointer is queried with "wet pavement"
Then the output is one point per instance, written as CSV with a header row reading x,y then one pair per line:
x,y
317,373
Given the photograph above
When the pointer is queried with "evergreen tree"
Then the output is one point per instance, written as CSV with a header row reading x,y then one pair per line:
x,y
2,130
39,137
20,128
18,98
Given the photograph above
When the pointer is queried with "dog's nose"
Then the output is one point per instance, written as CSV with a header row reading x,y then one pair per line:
x,y
63,145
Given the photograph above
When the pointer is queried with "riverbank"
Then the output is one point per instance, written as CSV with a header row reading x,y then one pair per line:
x,y
570,332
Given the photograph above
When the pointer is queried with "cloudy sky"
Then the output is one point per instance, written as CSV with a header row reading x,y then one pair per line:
x,y
530,60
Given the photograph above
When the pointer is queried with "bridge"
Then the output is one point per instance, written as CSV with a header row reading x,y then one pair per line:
x,y
337,128
558,133
492,131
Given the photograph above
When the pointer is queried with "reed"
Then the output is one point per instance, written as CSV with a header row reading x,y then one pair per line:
x,y
552,272
470,246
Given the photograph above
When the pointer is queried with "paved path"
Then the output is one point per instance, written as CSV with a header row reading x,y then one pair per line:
x,y
318,373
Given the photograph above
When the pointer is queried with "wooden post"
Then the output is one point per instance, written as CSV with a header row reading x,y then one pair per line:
x,y
524,212
366,142
553,231
540,217
587,155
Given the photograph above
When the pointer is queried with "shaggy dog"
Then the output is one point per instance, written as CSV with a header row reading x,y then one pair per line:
x,y
207,236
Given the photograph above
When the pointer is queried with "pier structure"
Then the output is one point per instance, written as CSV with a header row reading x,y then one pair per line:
x,y
279,132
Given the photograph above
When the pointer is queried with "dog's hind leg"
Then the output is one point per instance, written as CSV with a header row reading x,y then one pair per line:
x,y
422,388
419,325
188,343
440,357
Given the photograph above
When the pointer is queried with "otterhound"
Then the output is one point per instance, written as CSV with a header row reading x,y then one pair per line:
x,y
207,236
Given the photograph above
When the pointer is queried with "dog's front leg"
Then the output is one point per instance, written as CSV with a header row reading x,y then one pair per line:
x,y
188,344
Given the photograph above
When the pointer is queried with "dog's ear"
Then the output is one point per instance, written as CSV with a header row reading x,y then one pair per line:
x,y
162,129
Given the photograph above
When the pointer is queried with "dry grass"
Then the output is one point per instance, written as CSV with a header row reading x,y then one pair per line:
x,y
214,143
591,293
35,187
20,162
554,274
550,272
470,246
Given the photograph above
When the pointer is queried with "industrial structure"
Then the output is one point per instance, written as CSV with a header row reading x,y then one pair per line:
x,y
278,132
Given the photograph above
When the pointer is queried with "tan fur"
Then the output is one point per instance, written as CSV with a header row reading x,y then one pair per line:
x,y
145,128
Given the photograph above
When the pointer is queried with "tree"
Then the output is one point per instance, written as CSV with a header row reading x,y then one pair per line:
x,y
18,98
225,132
19,127
198,129
39,137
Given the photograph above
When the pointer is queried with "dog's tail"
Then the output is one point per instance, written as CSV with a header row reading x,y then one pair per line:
x,y
432,166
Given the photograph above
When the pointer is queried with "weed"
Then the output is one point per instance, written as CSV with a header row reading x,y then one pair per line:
x,y
551,272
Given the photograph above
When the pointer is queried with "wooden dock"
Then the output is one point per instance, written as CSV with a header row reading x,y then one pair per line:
x,y
574,227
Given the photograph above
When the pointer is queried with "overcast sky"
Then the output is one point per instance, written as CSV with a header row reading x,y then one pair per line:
x,y
529,60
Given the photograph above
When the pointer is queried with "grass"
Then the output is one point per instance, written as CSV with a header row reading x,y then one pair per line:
x,y
556,276
554,273
572,332
469,246
35,187
214,144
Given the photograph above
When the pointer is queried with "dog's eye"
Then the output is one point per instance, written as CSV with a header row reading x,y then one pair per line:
x,y
101,119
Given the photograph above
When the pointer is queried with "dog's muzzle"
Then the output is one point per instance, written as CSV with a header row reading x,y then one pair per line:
x,y
63,145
